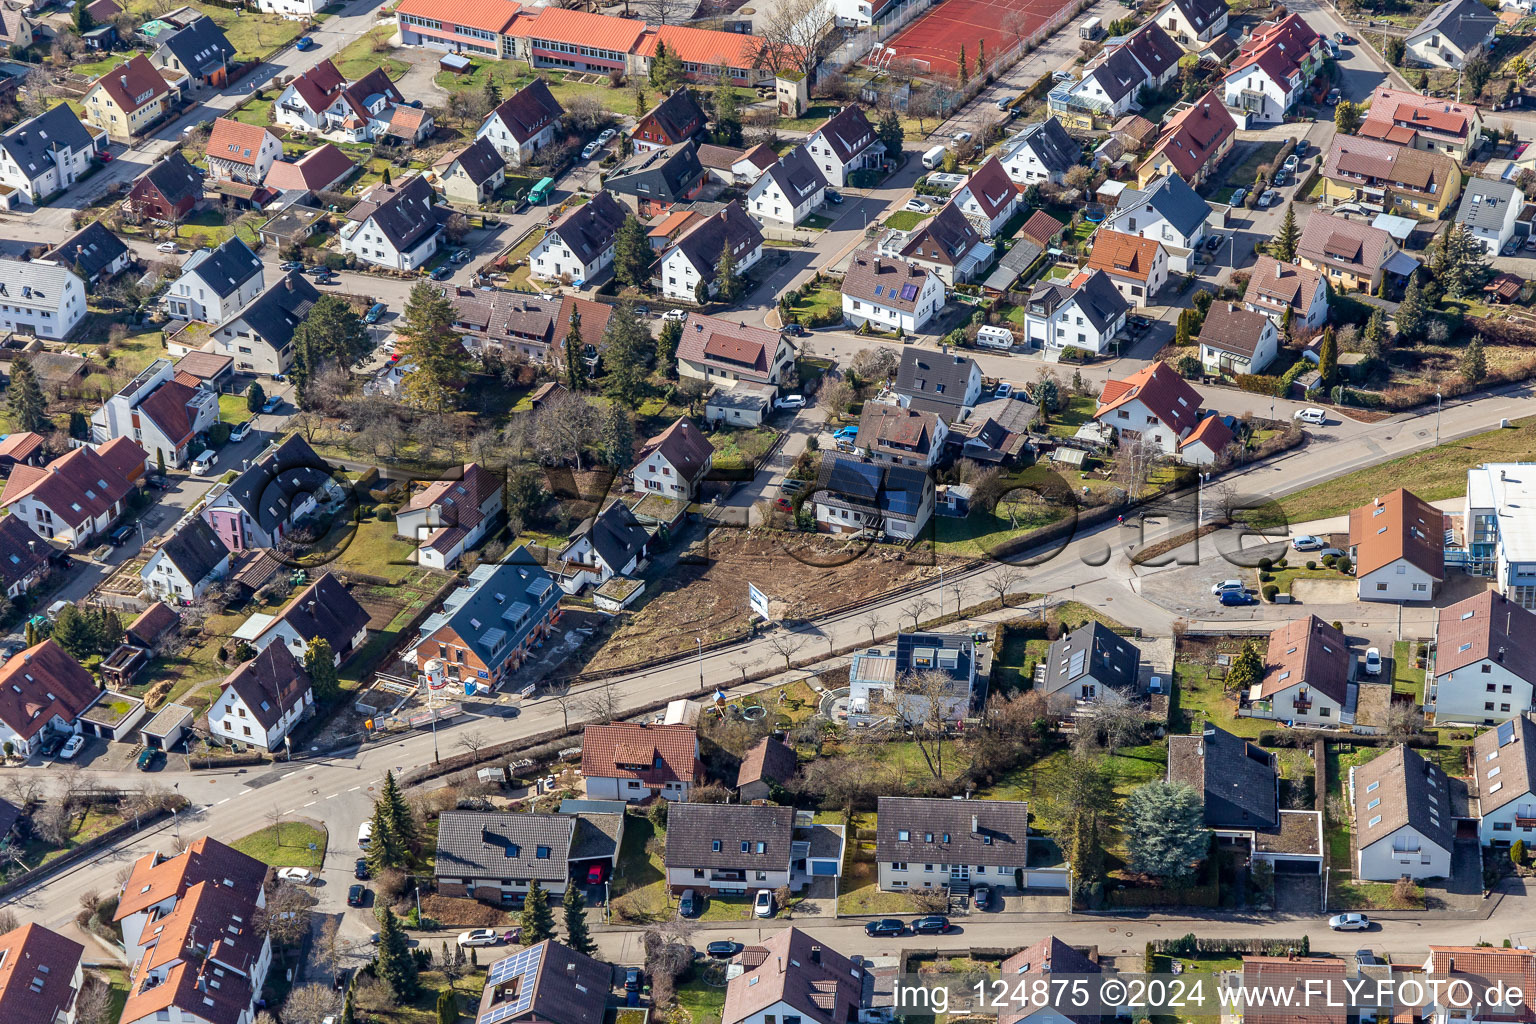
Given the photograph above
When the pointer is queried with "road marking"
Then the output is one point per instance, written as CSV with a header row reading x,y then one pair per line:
x,y
354,789
333,796
311,803
224,801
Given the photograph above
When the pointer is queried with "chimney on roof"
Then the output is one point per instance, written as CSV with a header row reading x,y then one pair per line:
x,y
781,965
1501,655
975,826
124,80
815,954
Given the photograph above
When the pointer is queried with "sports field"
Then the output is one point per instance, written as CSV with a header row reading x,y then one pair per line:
x,y
937,35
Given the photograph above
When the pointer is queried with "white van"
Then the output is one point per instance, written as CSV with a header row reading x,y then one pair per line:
x,y
203,464
934,157
365,834
994,337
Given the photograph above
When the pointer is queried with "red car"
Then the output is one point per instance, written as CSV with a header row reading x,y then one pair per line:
x,y
596,873
106,156
394,357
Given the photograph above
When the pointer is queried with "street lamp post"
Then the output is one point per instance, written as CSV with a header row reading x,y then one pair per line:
x,y
700,642
1437,417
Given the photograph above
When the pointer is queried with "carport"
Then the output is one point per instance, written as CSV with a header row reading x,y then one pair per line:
x,y
167,728
598,836
112,717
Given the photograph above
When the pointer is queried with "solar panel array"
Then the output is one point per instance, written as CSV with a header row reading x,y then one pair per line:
x,y
1506,733
908,292
525,963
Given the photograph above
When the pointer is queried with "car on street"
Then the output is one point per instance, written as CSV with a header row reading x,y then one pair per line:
x,y
1140,322
375,313
606,136
360,871
723,949
272,404
1004,103
394,357
147,758
1268,199
688,904
304,43
52,744
1306,542
1236,598
917,206
319,271
1349,922
241,432
168,247
442,273
795,330
1373,661
1004,390
1311,414
1333,97
845,433
105,156
291,265
884,926
1345,38
981,896
790,402
835,198
762,903
590,150
1292,163
1214,242
1335,552
355,895
933,924
298,876
1225,585
1238,195
479,937
203,464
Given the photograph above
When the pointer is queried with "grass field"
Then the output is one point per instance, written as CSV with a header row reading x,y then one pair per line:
x,y
97,68
1405,677
359,57
905,220
1432,474
285,845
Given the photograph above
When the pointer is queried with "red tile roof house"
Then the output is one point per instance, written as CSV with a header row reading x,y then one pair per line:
x,y
192,932
322,101
451,515
1154,406
720,351
523,123
792,976
160,412
320,170
241,152
23,447
674,462
128,99
77,496
1194,144
675,119
42,690
40,975
636,761
989,197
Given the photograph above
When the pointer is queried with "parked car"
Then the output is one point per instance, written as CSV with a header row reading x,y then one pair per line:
x,y
596,873
590,150
1335,552
168,247
1306,542
1218,589
723,949
1345,38
272,404
884,926
1238,195
981,896
241,432
52,744
675,314
962,137
633,979
71,747
845,433
1373,662
1311,414
1214,242
360,870
917,206
298,876
442,273
1333,97
203,464
688,904
1530,243
789,402
1236,598
791,486
1292,163
147,758
1268,199
479,937
320,271
355,895
1513,247
121,534
285,267
462,256
304,43
1004,390
1349,922
795,330
762,903
606,136
933,924
375,313
835,198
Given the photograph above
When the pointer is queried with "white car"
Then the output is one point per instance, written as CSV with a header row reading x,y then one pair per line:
x,y
1218,589
1311,414
1292,162
1307,542
606,136
1349,922
71,747
1004,390
917,206
591,150
204,463
962,136
168,247
241,432
790,402
762,904
479,937
675,314
298,876
1373,662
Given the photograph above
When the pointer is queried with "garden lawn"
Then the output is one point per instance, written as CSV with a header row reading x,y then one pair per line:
x,y
702,1002
1200,697
255,111
254,36
97,68
359,57
1079,410
1432,474
858,891
376,551
741,449
233,409
285,845
1406,678
1283,578
818,302
905,220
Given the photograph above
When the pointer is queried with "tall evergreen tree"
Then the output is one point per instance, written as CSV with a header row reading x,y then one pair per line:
x,y
618,436
447,1007
492,93
626,346
255,397
666,348
575,359
981,58
1474,364
1375,341
394,963
1284,245
538,922
430,344
402,819
348,1014
320,663
1411,312
701,292
330,333
1328,358
632,252
639,91
727,113
891,133
82,20
961,75
577,935
727,281
29,409
385,848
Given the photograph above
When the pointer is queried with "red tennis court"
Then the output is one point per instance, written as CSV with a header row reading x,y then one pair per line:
x,y
937,35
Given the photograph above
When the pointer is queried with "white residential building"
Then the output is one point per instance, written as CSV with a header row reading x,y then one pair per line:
x,y
260,702
633,761
46,154
1490,210
451,515
844,143
523,123
1397,544
695,256
1167,211
675,462
160,410
890,293
1500,528
925,843
1452,34
1307,673
1402,818
295,9
46,692
1193,23
40,297
729,849
580,244
788,191
1086,317
1483,667
241,152
394,226
1234,341
1504,782
189,561
988,197
1275,68
216,283
1041,152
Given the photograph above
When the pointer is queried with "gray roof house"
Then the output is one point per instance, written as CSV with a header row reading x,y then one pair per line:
x,y
1490,209
921,841
547,983
1089,660
201,50
658,176
47,153
491,619
944,383
1042,151
1169,200
735,840
95,251
1403,822
1239,780
261,503
1452,34
488,854
615,537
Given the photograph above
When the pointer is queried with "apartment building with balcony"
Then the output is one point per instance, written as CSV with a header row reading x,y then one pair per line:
x,y
160,409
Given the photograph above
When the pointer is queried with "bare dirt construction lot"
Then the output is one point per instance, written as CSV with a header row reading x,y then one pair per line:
x,y
705,595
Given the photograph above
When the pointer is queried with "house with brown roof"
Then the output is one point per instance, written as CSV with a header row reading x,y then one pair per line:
x,y
897,436
322,101
1397,543
1049,956
155,622
1402,817
1484,971
523,123
791,974
470,175
324,610
322,169
191,926
451,515
946,243
579,245
548,983
890,293
162,414
1483,668
128,99
529,325
989,197
166,192
674,120
1152,406
260,702
1291,975
695,256
721,351
674,462
22,448
1278,61
1380,177
1234,341
1429,123
1350,254
1210,441
43,690
769,764
40,975
730,165
1274,287
1503,787
78,495
1136,266
23,557
1307,672
845,143
635,761
1193,144
238,151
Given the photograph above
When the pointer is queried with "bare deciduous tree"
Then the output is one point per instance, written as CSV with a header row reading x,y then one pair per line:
x,y
918,607
286,915
311,1004
925,701
796,37
786,644
472,742
872,622
1003,580
94,1003
1403,721
1133,465
564,427
601,703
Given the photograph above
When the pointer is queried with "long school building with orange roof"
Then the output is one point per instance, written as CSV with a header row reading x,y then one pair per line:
x,y
553,37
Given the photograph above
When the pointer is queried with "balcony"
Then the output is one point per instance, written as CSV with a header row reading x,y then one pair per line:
x,y
1524,822
1302,706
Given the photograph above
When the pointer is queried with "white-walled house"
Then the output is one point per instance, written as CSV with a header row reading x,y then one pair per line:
x,y
844,143
523,123
1041,152
1234,341
45,154
78,495
695,256
1275,287
1402,818
451,515
1168,211
394,226
189,561
43,690
795,979
1490,209
1504,782
1452,34
789,190
674,462
215,284
1483,667
260,702
635,761
1274,69
291,8
925,843
580,243
1307,672
324,610
611,543
259,338
1136,266
41,298
1193,23
729,849
43,973
241,152
1397,543
988,197
889,292
1086,315
159,410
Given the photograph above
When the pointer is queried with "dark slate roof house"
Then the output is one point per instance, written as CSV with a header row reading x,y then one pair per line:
x,y
668,175
938,382
713,836
911,828
485,844
1238,779
93,249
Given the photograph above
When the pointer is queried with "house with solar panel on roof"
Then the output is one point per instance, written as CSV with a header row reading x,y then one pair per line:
x,y
854,496
1503,788
548,983
878,677
1482,669
489,626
